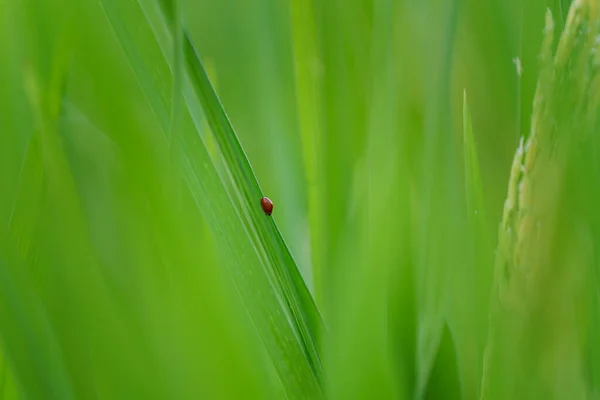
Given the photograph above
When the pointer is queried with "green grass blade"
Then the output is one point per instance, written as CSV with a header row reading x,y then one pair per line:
x,y
473,183
175,125
439,220
481,251
262,266
306,318
29,343
363,366
309,103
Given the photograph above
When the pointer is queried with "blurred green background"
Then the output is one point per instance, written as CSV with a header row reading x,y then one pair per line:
x,y
135,261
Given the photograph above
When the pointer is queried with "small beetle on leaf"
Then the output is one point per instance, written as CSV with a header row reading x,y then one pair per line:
x,y
267,205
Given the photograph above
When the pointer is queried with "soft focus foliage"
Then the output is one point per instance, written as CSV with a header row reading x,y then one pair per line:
x,y
434,172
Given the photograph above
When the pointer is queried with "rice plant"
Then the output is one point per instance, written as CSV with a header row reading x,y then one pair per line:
x,y
434,180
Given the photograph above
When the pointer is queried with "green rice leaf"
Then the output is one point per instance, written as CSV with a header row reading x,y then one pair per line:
x,y
480,258
309,103
473,183
228,195
363,366
439,219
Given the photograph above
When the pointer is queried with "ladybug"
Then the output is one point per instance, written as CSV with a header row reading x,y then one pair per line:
x,y
267,205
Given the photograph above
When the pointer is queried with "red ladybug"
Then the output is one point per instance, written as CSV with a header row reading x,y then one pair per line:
x,y
267,205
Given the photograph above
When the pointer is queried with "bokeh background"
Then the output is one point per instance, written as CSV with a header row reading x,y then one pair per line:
x,y
131,267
